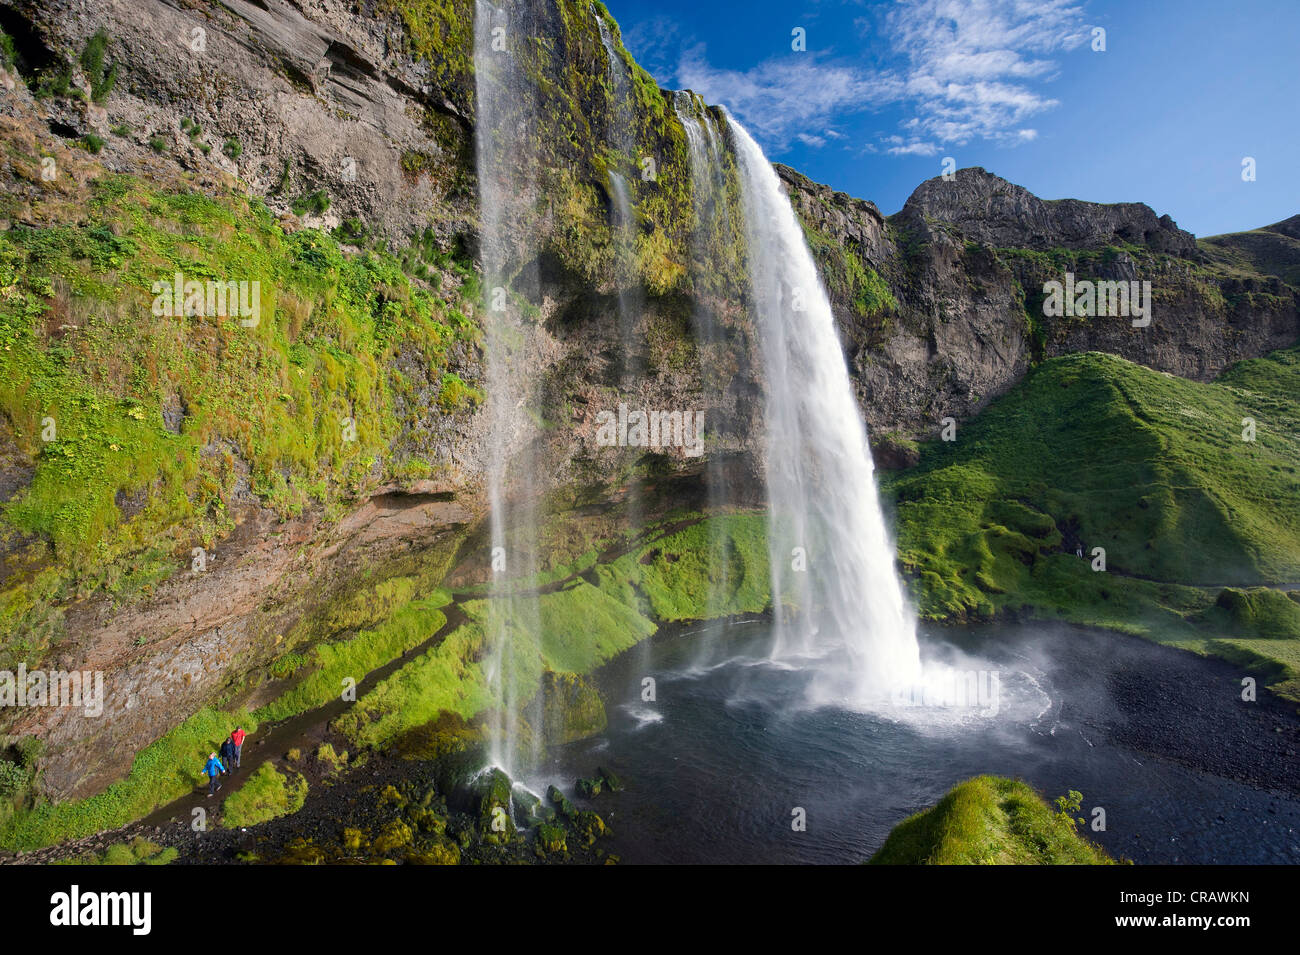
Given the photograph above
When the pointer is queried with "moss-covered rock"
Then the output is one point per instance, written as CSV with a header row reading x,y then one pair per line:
x,y
266,794
495,822
989,821
550,839
394,835
442,852
572,708
588,827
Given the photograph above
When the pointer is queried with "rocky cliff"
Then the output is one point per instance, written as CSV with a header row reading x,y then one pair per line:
x,y
964,265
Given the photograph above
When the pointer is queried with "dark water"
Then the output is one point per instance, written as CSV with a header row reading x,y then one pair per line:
x,y
1185,771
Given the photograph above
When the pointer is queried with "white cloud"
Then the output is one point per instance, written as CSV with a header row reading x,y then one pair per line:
x,y
916,148
971,63
654,43
965,69
789,98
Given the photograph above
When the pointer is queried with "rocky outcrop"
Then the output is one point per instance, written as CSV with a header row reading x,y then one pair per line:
x,y
967,260
987,209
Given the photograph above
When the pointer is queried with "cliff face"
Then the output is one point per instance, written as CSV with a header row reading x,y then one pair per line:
x,y
966,261
330,154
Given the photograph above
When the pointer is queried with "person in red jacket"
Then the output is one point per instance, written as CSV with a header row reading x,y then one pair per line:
x,y
237,737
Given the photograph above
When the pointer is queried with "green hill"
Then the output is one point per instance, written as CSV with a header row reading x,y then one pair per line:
x,y
989,821
1091,451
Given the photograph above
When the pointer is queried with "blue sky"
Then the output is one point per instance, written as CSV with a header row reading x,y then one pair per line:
x,y
1183,92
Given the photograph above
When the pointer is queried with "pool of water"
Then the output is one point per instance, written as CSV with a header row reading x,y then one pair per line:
x,y
717,764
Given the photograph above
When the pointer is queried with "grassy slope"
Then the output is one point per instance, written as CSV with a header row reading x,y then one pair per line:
x,y
82,356
988,821
268,794
1090,449
582,625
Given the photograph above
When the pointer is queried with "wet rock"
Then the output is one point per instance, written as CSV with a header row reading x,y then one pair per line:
x,y
588,827
494,820
550,839
611,782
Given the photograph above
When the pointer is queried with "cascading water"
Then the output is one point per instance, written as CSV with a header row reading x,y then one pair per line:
x,y
620,132
708,190
505,101
834,587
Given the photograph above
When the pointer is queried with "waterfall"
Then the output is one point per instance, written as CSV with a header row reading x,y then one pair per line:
x,y
506,107
708,192
835,592
620,131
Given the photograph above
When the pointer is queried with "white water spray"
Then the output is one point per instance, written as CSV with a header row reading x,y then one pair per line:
x,y
708,192
834,588
505,102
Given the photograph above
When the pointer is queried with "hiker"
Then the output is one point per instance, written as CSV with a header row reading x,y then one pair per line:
x,y
214,769
237,737
228,753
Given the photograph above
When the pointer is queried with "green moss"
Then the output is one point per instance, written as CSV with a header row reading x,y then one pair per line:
x,y
455,394
335,663
712,568
989,821
551,838
441,32
86,371
267,794
331,761
314,203
848,279
139,851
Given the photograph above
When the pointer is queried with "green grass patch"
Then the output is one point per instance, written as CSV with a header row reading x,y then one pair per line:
x,y
267,794
334,663
989,820
1090,450
139,851
1107,453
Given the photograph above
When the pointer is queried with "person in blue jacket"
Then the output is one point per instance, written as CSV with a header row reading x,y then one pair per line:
x,y
214,769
